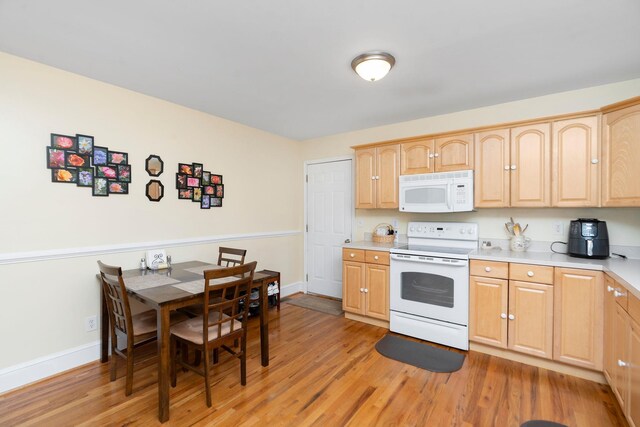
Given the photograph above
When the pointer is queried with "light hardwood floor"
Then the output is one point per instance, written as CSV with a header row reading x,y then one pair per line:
x,y
323,371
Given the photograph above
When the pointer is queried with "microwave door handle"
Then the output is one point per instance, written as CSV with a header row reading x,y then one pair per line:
x,y
449,197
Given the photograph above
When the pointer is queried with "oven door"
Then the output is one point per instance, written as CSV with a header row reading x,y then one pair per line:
x,y
432,287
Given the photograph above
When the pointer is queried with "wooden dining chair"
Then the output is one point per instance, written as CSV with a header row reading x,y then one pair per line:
x,y
225,308
136,330
231,256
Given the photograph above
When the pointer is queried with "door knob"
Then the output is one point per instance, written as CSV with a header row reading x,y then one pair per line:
x,y
347,240
436,155
530,273
617,293
512,317
622,364
594,161
376,257
361,289
506,167
609,288
366,290
352,255
431,155
487,269
513,167
503,315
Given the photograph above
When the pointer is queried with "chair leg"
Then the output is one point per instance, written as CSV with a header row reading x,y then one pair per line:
x,y
113,364
129,384
207,385
243,361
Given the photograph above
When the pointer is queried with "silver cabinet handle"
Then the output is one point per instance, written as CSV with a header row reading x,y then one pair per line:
x,y
513,167
617,293
487,269
622,364
503,315
594,161
609,288
512,317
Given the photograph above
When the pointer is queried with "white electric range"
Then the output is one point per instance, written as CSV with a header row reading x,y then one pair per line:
x,y
429,283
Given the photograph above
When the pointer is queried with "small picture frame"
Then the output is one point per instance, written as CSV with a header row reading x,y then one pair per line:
x,y
64,175
117,158
100,156
185,194
85,144
216,202
197,194
85,177
100,187
181,181
185,168
66,142
193,182
216,179
116,187
197,170
73,160
220,191
209,189
205,202
206,177
124,173
56,158
110,172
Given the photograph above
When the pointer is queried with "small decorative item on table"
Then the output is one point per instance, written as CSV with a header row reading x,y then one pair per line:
x,y
157,259
383,233
519,242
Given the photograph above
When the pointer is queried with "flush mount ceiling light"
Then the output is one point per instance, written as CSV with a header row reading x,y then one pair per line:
x,y
373,66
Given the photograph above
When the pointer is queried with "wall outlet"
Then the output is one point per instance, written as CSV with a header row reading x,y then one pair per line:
x,y
558,228
360,223
91,323
395,223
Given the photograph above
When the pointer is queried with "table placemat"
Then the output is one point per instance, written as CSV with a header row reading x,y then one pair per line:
x,y
197,286
139,283
202,268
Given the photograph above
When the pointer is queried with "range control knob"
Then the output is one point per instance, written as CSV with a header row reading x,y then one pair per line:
x,y
462,231
470,231
419,229
411,228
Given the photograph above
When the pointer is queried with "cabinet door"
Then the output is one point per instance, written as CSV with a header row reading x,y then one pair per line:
x,y
488,310
365,178
454,153
575,158
621,157
531,166
417,157
377,291
621,355
634,375
492,167
579,316
531,318
387,173
609,329
353,277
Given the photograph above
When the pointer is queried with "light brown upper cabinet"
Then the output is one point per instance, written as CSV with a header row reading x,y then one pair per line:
x,y
377,171
575,161
449,153
621,156
417,157
492,174
531,165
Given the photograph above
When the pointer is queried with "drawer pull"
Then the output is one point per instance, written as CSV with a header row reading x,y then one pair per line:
x,y
366,290
361,289
512,317
622,364
487,269
617,293
376,257
609,288
503,315
530,273
352,255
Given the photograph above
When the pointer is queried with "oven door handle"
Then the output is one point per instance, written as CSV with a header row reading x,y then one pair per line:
x,y
430,260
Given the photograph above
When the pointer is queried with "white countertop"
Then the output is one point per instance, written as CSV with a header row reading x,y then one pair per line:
x,y
626,271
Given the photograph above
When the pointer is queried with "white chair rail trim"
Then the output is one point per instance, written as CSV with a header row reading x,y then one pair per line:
x,y
46,255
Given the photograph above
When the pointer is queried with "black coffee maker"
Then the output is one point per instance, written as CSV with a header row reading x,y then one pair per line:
x,y
588,238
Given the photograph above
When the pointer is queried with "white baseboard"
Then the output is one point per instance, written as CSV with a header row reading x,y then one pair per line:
x,y
291,288
46,366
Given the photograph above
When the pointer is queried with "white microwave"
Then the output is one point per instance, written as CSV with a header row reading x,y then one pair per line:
x,y
437,192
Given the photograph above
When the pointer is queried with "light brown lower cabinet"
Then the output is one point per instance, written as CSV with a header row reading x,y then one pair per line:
x,y
512,314
365,285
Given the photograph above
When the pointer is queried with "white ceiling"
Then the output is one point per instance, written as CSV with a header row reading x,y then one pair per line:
x,y
284,65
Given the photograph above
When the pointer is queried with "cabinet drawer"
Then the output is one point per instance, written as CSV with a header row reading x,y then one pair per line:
x,y
634,308
377,257
498,270
531,273
353,254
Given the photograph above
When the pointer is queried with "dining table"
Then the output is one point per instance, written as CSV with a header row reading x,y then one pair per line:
x,y
169,289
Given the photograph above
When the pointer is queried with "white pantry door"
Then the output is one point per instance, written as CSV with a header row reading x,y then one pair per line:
x,y
329,221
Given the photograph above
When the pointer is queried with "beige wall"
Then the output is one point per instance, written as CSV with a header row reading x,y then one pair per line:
x,y
623,224
43,304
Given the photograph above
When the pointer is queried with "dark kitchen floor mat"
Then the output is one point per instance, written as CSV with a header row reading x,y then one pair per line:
x,y
419,354
541,423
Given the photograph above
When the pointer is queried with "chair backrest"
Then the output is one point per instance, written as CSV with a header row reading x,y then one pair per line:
x,y
231,256
115,294
223,293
